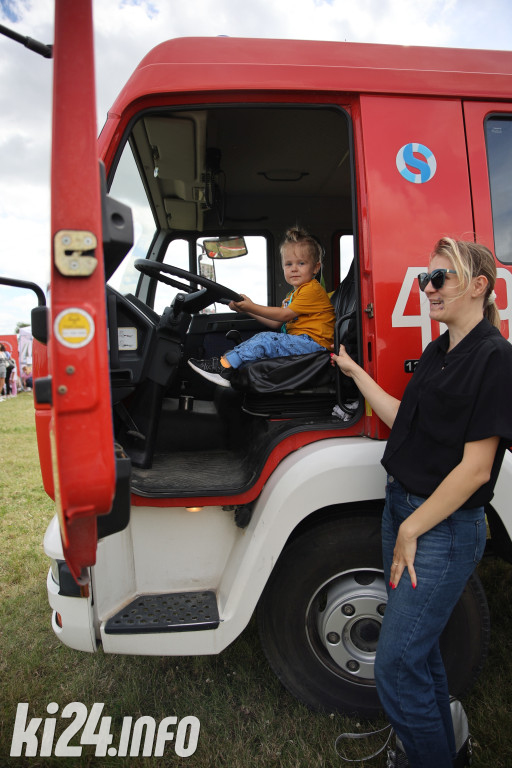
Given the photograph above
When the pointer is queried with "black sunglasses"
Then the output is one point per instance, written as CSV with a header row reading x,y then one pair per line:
x,y
437,278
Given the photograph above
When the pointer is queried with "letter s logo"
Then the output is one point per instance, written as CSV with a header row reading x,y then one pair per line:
x,y
420,158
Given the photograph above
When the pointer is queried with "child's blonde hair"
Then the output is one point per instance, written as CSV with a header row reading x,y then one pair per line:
x,y
471,260
301,237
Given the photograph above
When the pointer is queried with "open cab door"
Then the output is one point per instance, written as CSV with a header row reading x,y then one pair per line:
x,y
78,387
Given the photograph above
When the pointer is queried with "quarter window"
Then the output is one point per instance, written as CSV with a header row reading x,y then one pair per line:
x,y
498,131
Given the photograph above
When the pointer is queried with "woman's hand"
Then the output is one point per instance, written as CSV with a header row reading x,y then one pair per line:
x,y
344,361
385,405
403,557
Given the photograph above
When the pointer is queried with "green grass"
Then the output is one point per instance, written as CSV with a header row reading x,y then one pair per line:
x,y
247,718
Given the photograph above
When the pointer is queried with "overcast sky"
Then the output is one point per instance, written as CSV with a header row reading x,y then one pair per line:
x,y
125,30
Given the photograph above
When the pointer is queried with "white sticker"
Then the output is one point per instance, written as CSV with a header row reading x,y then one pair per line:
x,y
127,338
74,327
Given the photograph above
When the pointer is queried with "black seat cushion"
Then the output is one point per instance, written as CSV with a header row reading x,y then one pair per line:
x,y
280,374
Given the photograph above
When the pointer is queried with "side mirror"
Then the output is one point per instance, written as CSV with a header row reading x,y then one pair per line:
x,y
39,318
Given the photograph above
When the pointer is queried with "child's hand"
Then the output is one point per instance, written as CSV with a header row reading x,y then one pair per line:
x,y
241,306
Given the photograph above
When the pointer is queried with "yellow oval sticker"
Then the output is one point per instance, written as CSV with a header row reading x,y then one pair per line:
x,y
74,327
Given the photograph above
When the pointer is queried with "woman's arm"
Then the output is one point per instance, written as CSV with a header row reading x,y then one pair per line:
x,y
463,481
272,317
384,405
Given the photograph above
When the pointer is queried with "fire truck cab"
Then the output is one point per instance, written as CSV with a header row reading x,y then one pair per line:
x,y
264,497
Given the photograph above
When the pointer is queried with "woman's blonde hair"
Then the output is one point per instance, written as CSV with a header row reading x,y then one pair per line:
x,y
301,237
471,260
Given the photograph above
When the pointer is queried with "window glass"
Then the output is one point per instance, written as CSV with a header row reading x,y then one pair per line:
x,y
127,187
346,255
177,255
498,131
246,274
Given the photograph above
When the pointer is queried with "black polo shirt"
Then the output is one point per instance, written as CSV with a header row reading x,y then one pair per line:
x,y
453,398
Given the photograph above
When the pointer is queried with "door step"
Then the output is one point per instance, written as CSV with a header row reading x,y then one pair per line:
x,y
173,612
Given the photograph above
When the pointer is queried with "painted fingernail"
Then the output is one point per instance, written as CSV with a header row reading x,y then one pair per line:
x,y
393,586
414,586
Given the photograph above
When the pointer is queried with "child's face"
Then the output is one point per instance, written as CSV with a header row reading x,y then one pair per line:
x,y
298,265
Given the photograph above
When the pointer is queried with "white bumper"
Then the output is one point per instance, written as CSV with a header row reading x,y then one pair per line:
x,y
72,617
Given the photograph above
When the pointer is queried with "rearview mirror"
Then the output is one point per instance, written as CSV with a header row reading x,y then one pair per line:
x,y
225,248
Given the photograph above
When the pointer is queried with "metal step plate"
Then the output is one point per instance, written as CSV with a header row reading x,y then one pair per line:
x,y
174,612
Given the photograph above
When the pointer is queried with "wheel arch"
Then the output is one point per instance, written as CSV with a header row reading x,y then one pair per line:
x,y
321,480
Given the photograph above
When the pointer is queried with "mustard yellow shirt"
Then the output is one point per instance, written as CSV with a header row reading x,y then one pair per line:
x,y
315,313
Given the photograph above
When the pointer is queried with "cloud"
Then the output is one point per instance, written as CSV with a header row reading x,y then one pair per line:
x,y
11,9
15,306
21,151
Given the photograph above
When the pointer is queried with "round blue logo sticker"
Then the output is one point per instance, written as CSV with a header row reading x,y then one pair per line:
x,y
419,158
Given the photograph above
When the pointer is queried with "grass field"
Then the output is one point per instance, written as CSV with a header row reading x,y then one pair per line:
x,y
247,718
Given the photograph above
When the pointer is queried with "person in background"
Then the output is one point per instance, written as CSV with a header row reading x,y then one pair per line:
x,y
448,438
26,377
13,379
9,370
3,370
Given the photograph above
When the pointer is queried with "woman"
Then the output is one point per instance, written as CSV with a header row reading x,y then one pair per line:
x,y
448,438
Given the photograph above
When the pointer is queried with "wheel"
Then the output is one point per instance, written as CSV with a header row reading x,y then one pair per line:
x,y
465,640
194,300
320,614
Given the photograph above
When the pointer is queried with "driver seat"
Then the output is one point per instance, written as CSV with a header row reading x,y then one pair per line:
x,y
304,385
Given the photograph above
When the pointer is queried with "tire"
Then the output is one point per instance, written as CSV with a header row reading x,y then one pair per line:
x,y
319,619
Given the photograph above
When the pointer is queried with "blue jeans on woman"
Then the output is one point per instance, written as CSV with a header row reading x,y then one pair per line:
x,y
269,344
409,671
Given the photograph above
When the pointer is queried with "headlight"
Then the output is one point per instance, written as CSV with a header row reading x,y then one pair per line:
x,y
54,568
62,577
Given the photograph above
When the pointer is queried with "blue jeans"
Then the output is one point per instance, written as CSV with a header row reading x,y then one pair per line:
x,y
409,671
270,344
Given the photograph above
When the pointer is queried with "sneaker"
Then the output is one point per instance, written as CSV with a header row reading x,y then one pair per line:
x,y
396,758
212,370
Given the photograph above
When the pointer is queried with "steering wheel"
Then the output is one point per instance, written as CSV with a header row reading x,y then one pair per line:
x,y
194,300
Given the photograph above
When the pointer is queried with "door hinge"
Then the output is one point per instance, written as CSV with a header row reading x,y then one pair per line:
x,y
369,309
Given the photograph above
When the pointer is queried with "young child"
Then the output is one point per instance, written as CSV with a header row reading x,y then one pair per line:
x,y
304,322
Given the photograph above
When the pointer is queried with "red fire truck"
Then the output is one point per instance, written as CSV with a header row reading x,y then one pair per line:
x,y
184,508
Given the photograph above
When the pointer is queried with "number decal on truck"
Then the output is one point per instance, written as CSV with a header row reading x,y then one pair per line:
x,y
400,320
422,320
